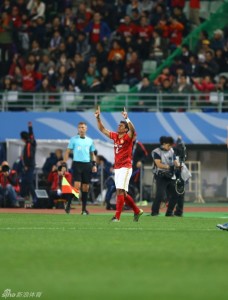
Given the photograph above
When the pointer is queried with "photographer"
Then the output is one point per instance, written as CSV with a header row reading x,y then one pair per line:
x,y
164,163
55,181
9,186
181,155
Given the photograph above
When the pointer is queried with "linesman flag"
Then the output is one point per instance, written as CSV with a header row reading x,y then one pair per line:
x,y
68,189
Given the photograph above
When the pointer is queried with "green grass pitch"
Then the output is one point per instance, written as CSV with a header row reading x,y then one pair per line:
x,y
87,257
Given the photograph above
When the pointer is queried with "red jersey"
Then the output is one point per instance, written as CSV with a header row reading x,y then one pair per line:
x,y
122,150
95,34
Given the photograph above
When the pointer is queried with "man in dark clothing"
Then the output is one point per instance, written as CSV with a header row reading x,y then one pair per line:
x,y
139,154
28,158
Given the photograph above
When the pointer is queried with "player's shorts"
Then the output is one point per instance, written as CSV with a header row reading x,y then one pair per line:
x,y
122,178
82,172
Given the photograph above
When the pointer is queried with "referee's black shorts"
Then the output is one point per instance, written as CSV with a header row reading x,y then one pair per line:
x,y
82,171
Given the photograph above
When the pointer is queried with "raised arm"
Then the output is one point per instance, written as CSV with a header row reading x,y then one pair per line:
x,y
130,124
100,124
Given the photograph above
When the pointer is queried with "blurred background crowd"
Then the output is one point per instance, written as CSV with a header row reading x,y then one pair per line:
x,y
92,46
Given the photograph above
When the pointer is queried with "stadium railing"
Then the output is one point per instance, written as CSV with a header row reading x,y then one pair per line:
x,y
157,102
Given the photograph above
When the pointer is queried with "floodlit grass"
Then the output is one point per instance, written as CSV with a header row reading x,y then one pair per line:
x,y
86,257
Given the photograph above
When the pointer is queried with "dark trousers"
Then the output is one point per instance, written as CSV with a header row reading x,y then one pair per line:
x,y
164,187
27,184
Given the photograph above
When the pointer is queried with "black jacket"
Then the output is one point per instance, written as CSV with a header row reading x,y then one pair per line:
x,y
29,151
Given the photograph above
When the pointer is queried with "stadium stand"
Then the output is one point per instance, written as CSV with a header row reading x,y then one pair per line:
x,y
48,48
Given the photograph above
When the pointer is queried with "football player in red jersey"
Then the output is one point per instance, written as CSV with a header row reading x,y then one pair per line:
x,y
123,143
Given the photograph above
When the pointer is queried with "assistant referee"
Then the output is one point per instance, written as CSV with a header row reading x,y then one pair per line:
x,y
84,161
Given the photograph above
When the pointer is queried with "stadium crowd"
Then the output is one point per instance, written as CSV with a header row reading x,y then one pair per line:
x,y
91,46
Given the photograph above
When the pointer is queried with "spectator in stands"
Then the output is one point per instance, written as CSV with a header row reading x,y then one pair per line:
x,y
9,186
55,181
5,6
217,41
23,35
89,76
79,65
134,5
117,69
83,16
209,67
106,80
144,36
194,10
133,70
126,28
168,103
116,49
182,87
37,30
36,9
63,61
204,84
175,33
71,82
185,54
70,46
36,50
56,26
146,5
101,55
6,40
158,48
179,15
82,45
45,65
98,31
52,161
147,101
205,46
163,76
21,4
221,59
45,98
30,79
99,6
192,68
6,84
61,77
68,19
55,41
157,14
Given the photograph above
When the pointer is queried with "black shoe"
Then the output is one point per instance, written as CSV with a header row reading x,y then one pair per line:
x,y
67,207
85,213
154,214
178,214
169,215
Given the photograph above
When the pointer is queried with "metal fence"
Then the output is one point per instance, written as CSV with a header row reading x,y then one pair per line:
x,y
70,101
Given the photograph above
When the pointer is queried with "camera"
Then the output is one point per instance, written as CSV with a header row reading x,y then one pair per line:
x,y
60,168
5,168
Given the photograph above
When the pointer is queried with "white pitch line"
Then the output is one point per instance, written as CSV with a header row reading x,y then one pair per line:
x,y
102,228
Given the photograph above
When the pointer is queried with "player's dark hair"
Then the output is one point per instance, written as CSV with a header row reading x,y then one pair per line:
x,y
166,140
24,135
125,124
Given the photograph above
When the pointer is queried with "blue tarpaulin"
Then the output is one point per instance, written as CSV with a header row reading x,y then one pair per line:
x,y
195,128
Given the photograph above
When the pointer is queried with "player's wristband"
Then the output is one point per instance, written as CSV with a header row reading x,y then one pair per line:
x,y
94,163
128,120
